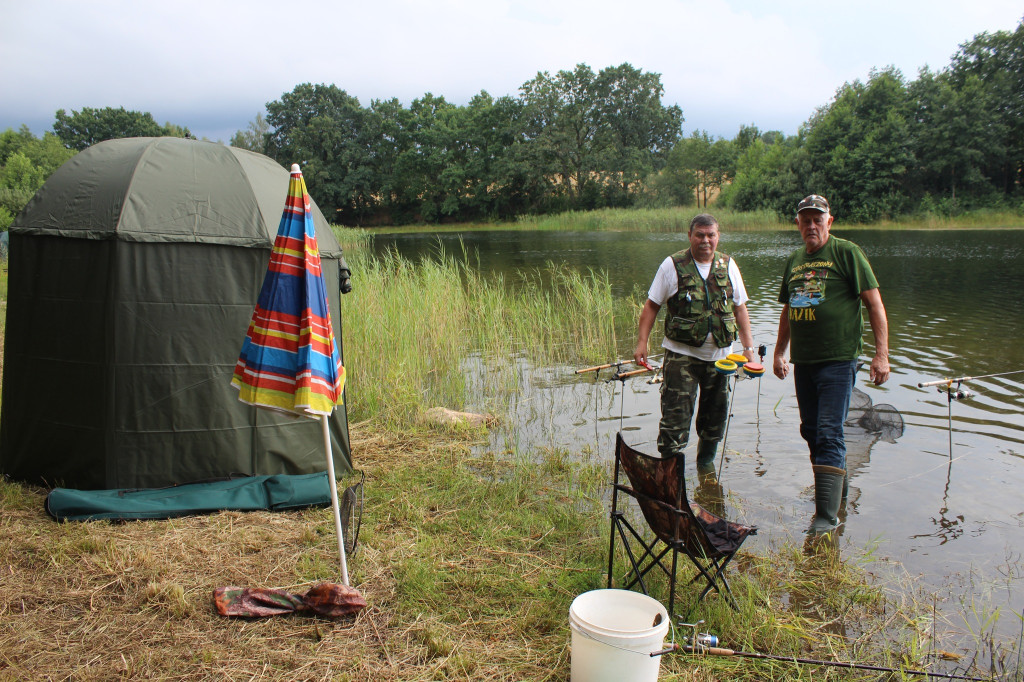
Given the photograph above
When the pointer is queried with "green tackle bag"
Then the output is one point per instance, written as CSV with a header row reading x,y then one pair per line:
x,y
249,493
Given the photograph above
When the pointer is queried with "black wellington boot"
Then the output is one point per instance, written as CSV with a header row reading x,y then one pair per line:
x,y
828,495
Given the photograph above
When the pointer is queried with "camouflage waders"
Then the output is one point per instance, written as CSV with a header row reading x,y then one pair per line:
x,y
684,375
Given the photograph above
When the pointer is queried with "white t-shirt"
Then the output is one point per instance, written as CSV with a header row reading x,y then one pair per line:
x,y
666,284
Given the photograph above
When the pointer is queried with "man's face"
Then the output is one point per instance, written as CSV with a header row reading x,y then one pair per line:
x,y
703,242
813,226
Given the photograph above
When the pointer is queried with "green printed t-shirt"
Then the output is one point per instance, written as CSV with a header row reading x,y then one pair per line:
x,y
823,292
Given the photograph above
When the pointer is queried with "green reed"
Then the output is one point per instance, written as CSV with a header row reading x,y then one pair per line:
x,y
415,331
676,219
978,218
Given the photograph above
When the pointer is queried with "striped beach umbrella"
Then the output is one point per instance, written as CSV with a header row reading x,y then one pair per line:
x,y
290,360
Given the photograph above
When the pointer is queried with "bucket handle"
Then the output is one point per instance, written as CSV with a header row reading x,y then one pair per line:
x,y
671,647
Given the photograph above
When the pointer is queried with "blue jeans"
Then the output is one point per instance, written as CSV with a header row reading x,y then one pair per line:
x,y
823,394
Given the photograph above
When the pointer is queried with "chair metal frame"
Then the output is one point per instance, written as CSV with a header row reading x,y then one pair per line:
x,y
679,526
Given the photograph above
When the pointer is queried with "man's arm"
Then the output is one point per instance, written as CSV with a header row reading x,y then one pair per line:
x,y
647,317
872,300
780,366
743,320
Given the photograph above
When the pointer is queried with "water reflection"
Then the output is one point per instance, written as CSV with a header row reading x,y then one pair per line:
x,y
943,499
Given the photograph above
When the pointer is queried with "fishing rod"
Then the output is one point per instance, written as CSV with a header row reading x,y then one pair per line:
x,y
960,380
956,393
607,365
721,651
598,368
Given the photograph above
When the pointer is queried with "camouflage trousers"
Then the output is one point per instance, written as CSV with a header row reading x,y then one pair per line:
x,y
685,378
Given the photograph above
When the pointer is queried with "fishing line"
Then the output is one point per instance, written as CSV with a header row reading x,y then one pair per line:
x,y
920,473
739,364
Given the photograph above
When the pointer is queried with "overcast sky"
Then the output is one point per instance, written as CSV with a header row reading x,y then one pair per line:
x,y
212,65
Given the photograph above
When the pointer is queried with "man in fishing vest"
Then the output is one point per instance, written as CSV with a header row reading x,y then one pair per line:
x,y
706,309
824,285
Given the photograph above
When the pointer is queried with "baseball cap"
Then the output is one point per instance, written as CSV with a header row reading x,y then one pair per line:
x,y
815,201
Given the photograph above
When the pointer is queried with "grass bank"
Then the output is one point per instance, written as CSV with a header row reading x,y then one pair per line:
x,y
468,563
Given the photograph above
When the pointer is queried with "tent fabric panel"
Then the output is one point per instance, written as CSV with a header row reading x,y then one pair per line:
x,y
263,175
181,304
166,189
176,341
287,445
210,201
55,385
84,197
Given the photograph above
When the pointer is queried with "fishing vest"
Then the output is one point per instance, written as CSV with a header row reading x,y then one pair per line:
x,y
701,305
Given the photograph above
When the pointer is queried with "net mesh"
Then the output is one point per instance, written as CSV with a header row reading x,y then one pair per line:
x,y
882,419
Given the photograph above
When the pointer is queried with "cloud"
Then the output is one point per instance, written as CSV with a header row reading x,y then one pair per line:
x,y
213,65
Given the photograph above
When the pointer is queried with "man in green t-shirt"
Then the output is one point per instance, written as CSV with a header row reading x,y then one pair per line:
x,y
824,285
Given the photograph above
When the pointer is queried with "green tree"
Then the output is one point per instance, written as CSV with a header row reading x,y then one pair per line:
x,y
959,136
765,176
81,129
859,148
591,132
562,126
703,163
487,139
25,164
254,137
325,131
428,164
997,61
640,129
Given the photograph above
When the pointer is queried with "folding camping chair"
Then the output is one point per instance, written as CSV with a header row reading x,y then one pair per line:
x,y
680,526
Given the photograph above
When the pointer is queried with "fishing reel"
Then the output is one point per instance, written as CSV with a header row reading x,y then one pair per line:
x,y
698,639
957,393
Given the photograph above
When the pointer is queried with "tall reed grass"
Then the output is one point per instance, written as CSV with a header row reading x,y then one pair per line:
x,y
675,219
978,218
413,330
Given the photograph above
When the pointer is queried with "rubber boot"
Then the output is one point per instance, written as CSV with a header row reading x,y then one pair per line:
x,y
846,489
828,495
706,451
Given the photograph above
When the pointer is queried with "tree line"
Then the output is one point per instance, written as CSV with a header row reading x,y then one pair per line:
x,y
946,142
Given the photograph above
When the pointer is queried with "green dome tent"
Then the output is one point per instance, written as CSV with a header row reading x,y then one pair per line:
x,y
133,274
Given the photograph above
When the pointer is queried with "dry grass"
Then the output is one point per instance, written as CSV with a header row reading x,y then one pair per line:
x,y
100,601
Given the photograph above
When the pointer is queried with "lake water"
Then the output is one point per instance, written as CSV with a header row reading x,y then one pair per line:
x,y
941,503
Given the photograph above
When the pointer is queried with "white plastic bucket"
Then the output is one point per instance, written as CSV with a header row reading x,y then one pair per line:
x,y
613,635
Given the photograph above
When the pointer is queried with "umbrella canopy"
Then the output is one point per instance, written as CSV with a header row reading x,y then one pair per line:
x,y
289,360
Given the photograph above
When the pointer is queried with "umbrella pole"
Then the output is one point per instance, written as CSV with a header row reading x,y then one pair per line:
x,y
334,499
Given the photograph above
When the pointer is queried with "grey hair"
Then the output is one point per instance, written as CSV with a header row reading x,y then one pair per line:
x,y
704,220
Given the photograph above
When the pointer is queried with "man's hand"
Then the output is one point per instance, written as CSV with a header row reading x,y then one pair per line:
x,y
781,367
879,369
